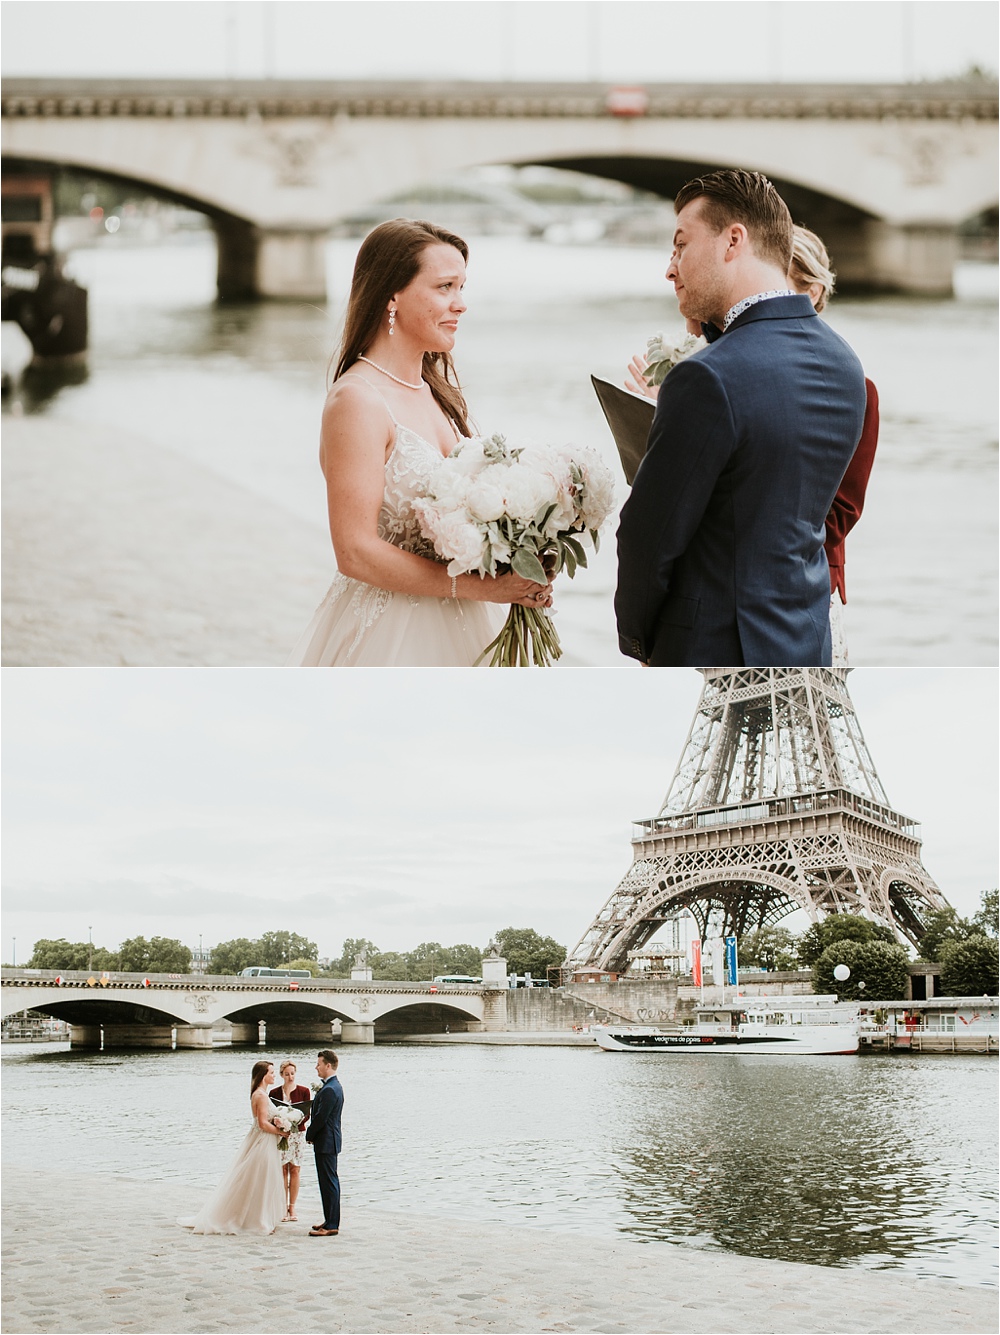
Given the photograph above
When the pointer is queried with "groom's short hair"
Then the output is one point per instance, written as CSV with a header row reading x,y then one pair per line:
x,y
329,1057
749,198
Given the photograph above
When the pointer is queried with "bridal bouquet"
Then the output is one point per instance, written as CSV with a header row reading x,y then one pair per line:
x,y
662,357
287,1121
490,507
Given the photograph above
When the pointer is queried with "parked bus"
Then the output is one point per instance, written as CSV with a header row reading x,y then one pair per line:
x,y
456,978
256,971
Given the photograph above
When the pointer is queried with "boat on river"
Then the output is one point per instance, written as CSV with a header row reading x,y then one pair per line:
x,y
809,1025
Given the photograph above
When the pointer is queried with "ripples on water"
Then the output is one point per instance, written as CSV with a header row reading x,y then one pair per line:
x,y
239,390
880,1162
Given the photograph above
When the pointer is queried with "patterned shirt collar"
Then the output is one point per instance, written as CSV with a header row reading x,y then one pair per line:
x,y
735,311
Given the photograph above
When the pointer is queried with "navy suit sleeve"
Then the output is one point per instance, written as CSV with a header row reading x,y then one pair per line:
x,y
320,1115
691,441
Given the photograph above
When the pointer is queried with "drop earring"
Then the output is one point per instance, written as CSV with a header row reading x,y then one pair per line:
x,y
392,322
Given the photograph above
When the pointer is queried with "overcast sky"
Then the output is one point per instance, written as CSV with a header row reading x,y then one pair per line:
x,y
618,40
402,806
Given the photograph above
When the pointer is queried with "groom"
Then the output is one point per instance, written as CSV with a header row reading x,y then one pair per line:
x,y
324,1136
720,548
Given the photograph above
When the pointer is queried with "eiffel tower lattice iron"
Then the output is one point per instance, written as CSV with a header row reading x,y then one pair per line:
x,y
775,806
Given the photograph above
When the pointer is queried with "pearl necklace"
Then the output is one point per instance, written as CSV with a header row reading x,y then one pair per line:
x,y
405,383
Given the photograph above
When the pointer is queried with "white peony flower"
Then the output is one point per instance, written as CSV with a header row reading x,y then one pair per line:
x,y
485,500
525,491
598,498
458,540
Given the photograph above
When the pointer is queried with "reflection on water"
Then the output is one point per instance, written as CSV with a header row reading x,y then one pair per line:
x,y
238,390
880,1162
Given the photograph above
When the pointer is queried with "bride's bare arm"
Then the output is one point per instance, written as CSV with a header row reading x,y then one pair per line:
x,y
354,443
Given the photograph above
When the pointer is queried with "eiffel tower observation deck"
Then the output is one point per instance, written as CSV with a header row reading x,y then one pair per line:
x,y
775,806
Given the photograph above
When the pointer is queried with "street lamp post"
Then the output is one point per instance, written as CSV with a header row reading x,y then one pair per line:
x,y
90,948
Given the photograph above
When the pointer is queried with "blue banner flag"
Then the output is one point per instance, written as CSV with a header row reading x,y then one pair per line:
x,y
732,970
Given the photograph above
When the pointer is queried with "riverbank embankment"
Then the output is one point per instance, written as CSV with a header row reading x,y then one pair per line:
x,y
104,1254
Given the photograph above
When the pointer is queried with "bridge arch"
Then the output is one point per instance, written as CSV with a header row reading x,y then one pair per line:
x,y
235,236
776,896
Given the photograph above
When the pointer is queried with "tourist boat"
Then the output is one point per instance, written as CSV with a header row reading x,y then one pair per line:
x,y
757,1025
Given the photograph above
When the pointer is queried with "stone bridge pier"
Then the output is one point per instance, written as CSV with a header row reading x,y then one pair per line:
x,y
287,263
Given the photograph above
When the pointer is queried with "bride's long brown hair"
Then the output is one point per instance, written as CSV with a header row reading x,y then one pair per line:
x,y
388,261
260,1070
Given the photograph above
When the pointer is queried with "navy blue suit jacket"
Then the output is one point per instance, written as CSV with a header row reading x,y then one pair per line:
x,y
323,1132
720,547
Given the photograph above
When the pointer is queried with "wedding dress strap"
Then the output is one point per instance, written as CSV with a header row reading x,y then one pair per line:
x,y
367,382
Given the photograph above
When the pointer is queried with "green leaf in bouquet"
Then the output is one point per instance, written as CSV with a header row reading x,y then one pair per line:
x,y
542,517
595,538
568,559
527,565
578,551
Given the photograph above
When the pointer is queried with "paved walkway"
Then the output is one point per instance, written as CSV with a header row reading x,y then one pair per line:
x,y
103,1254
119,552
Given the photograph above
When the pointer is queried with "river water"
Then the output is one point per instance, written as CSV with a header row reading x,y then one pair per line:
x,y
882,1162
238,390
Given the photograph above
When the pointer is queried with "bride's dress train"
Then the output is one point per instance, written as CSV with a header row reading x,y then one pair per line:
x,y
251,1197
358,625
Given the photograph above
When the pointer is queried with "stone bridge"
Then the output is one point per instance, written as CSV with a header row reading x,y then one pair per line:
x,y
154,1010
885,172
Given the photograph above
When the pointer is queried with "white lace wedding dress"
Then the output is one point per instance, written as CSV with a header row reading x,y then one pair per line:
x,y
251,1197
358,625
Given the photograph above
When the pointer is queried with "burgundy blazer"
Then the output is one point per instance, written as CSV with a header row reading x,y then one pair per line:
x,y
850,498
299,1095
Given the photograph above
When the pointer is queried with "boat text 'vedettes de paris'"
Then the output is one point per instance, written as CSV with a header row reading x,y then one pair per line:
x,y
749,1025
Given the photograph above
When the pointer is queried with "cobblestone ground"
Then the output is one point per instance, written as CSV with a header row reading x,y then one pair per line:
x,y
106,1255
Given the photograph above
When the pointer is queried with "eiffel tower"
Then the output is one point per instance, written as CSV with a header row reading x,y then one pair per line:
x,y
775,806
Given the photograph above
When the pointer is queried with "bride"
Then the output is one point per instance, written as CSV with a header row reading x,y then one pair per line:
x,y
251,1197
394,411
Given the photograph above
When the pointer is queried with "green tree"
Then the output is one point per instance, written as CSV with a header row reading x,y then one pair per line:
x,y
768,948
160,954
311,965
462,958
940,927
232,957
985,918
277,948
424,961
880,965
527,952
63,954
969,968
839,927
388,966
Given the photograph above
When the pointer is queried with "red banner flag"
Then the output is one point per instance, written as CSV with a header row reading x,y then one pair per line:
x,y
146,983
696,962
293,986
58,980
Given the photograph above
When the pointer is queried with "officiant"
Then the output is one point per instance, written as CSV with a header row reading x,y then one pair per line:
x,y
288,1094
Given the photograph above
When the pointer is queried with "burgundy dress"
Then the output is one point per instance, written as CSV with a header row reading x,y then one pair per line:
x,y
296,1139
850,498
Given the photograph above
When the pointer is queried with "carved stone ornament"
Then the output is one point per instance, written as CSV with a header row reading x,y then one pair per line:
x,y
199,1002
364,1005
297,152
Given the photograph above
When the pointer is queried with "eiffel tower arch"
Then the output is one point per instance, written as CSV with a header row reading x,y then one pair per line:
x,y
775,805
